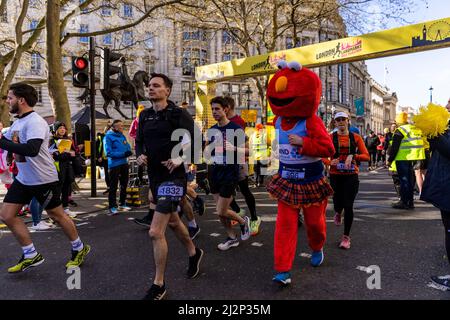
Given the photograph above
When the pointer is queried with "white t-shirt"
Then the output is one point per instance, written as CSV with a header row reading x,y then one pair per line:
x,y
33,170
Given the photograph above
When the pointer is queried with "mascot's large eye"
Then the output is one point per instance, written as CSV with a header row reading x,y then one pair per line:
x,y
294,66
282,64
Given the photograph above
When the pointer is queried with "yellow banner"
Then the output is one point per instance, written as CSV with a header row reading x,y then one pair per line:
x,y
413,38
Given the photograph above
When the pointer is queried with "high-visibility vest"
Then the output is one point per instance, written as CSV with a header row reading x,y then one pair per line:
x,y
259,146
411,146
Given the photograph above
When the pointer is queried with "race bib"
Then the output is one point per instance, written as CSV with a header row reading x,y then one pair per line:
x,y
341,167
171,191
292,175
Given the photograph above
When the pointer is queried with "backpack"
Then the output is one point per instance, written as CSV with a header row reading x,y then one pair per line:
x,y
353,147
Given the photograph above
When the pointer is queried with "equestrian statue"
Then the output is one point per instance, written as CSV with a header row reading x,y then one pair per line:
x,y
129,90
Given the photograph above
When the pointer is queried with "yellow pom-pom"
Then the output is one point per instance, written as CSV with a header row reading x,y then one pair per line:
x,y
432,120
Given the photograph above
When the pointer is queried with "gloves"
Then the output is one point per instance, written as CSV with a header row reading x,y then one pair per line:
x,y
128,153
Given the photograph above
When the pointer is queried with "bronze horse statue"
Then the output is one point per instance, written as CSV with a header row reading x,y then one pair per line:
x,y
129,90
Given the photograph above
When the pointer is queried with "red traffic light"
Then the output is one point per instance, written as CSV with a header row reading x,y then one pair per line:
x,y
81,63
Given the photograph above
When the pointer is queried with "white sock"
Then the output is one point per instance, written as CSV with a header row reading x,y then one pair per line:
x,y
77,245
192,223
29,251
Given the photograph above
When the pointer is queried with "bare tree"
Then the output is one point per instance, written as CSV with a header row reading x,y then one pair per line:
x,y
262,26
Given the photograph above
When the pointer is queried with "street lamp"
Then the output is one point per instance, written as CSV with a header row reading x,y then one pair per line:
x,y
431,94
248,92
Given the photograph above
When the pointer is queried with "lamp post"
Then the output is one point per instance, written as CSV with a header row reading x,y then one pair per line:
x,y
248,92
431,94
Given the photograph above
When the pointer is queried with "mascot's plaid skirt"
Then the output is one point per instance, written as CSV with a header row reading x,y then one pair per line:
x,y
299,195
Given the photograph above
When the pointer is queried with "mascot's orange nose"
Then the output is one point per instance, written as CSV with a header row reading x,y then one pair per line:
x,y
281,84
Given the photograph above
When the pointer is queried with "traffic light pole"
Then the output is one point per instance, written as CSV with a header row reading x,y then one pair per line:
x,y
92,103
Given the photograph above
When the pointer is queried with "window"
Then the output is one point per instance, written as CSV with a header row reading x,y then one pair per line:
x,y
34,3
4,17
35,63
149,65
289,43
193,57
84,10
149,40
197,34
127,10
33,24
127,38
39,92
84,28
186,93
226,57
225,88
107,39
227,38
106,9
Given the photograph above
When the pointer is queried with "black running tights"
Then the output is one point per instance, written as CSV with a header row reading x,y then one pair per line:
x,y
249,199
345,190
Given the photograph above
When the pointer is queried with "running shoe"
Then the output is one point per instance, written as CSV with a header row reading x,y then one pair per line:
x,y
41,226
282,277
155,292
228,243
193,231
317,258
25,263
124,208
254,226
70,213
345,242
442,281
78,257
337,218
113,211
145,221
245,229
73,203
194,263
241,213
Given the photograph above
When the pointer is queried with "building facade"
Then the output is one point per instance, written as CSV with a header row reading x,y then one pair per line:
x,y
173,48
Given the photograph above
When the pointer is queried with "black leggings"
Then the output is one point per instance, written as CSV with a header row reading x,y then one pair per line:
x,y
345,190
249,199
446,220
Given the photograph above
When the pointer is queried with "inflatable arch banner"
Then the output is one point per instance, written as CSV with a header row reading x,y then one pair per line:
x,y
408,39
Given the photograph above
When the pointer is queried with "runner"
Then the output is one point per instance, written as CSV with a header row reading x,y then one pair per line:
x,y
167,177
255,221
225,175
350,150
28,138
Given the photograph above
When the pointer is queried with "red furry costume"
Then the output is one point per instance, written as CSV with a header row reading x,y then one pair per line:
x,y
294,95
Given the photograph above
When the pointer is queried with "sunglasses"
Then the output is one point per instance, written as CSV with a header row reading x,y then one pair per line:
x,y
340,119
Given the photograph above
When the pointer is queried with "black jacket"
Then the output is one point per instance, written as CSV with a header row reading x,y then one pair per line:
x,y
436,187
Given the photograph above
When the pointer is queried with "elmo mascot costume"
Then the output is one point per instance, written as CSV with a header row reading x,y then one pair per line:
x,y
294,95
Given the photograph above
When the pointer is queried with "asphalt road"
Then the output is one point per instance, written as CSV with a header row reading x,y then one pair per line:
x,y
407,246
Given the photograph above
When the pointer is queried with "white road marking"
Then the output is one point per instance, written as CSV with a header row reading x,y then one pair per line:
x,y
215,235
257,244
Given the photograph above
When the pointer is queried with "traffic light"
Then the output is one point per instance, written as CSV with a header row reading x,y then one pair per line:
x,y
80,72
107,69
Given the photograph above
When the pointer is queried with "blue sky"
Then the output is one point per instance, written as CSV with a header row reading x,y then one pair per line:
x,y
412,75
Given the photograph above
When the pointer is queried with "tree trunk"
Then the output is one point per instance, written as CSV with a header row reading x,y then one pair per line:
x,y
56,87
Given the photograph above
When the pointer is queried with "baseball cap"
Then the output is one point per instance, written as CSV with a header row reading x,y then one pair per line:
x,y
341,114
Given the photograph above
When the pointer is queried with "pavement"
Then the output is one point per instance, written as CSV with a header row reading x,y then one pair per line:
x,y
85,203
393,255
